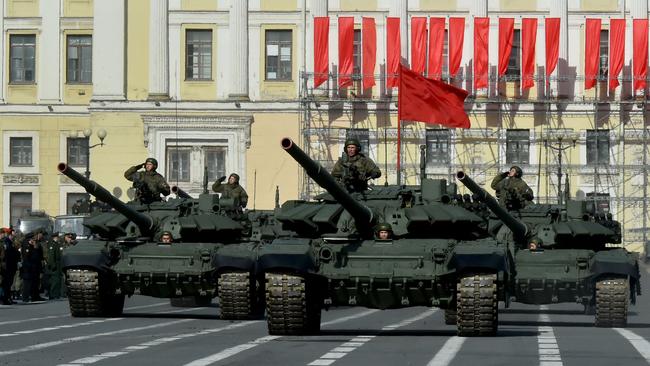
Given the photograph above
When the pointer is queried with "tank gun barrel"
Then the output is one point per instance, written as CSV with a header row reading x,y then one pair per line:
x,y
519,229
144,222
362,215
180,193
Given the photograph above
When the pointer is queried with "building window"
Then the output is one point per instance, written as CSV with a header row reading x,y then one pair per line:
x,y
597,147
517,146
278,55
198,53
513,72
21,151
361,134
186,164
77,151
215,160
178,164
23,53
438,143
604,55
19,204
72,199
356,55
79,67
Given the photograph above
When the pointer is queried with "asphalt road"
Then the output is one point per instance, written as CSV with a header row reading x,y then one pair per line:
x,y
153,332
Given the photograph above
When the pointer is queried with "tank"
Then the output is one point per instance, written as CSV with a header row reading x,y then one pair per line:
x,y
34,220
125,255
566,254
328,253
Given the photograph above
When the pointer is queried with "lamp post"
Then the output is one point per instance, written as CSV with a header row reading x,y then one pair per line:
x,y
559,148
101,133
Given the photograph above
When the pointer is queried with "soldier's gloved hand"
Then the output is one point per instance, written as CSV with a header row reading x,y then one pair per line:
x,y
221,179
505,174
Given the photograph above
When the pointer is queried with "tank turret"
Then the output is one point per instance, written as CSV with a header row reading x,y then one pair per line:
x,y
519,229
144,222
363,216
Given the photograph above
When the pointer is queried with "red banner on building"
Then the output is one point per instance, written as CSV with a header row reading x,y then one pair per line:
x,y
552,28
321,49
456,39
436,44
528,38
346,50
592,52
616,50
369,53
640,51
418,43
481,34
506,32
393,52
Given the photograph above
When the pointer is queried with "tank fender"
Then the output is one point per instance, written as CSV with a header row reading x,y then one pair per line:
x,y
618,262
99,261
287,254
221,262
493,262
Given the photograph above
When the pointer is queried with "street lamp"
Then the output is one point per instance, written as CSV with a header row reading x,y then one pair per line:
x,y
101,133
560,148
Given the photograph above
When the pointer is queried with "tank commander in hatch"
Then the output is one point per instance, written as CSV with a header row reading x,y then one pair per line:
x,y
232,189
512,192
353,169
384,231
166,237
148,184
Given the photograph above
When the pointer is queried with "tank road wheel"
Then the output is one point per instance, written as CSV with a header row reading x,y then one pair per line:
x,y
291,305
237,296
477,305
88,298
612,301
451,316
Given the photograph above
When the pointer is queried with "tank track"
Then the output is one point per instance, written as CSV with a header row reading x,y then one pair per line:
x,y
86,297
612,301
477,305
451,316
291,308
236,297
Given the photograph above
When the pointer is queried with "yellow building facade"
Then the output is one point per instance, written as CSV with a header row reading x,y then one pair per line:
x,y
218,83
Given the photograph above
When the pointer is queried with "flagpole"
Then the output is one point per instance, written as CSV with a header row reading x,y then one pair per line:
x,y
399,130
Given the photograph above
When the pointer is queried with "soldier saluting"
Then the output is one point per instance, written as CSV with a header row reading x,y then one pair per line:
x,y
512,191
149,184
353,169
232,189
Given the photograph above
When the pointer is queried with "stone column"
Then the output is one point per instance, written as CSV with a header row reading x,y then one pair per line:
x,y
319,8
399,8
560,9
158,53
108,50
238,27
48,72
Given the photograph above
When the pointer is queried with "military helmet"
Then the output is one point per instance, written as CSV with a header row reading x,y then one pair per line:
x,y
166,233
152,161
518,171
353,141
384,226
236,176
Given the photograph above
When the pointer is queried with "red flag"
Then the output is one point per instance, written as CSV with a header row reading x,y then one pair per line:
x,y
436,43
592,52
506,33
369,55
616,50
552,27
431,101
456,38
346,49
528,37
481,34
393,51
640,51
418,43
321,49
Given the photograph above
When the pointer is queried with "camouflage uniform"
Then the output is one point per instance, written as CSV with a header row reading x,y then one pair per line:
x,y
149,184
512,192
54,267
231,190
353,172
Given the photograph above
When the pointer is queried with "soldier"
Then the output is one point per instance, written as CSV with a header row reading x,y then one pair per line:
x,y
166,237
512,191
384,231
232,189
149,184
54,267
32,268
354,169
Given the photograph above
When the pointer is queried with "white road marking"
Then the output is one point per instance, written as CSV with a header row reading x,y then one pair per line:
x,y
90,336
447,352
155,342
547,348
642,346
343,349
46,329
229,352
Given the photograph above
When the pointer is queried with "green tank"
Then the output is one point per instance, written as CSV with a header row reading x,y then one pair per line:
x,y
328,253
564,254
213,254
